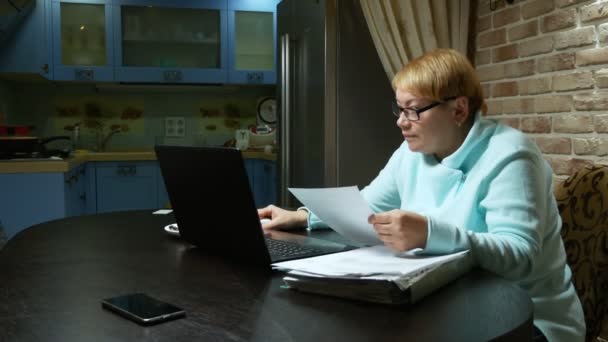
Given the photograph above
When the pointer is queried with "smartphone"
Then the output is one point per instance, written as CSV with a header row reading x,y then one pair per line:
x,y
142,309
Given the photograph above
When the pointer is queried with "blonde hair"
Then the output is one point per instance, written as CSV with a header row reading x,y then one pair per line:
x,y
440,74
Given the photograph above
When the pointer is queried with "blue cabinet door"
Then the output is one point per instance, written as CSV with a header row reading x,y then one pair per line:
x,y
163,196
250,167
171,41
269,182
75,191
265,183
82,33
90,186
28,49
262,180
30,198
126,186
252,36
70,190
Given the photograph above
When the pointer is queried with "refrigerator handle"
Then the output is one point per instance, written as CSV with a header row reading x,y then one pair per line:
x,y
286,114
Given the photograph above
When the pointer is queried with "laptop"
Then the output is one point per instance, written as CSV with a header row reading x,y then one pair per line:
x,y
214,208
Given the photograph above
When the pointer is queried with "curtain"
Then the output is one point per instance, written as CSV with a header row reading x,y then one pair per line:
x,y
405,29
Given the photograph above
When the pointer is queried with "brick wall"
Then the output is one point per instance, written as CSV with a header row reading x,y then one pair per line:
x,y
543,65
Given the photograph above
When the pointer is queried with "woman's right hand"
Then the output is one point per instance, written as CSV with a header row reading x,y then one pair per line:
x,y
282,219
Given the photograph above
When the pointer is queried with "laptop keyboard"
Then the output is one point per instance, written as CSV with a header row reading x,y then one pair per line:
x,y
279,248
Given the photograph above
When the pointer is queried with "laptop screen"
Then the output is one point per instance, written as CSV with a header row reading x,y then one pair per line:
x,y
212,201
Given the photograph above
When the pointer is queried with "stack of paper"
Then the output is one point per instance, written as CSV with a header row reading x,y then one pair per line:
x,y
377,262
375,274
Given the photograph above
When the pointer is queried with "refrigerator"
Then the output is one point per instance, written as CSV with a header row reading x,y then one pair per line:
x,y
335,126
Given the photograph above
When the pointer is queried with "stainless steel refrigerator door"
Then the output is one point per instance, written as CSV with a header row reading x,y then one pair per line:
x,y
336,125
367,133
302,94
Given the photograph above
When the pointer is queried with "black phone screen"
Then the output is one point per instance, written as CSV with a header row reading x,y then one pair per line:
x,y
143,308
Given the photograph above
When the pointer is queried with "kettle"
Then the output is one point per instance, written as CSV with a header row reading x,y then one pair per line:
x,y
242,139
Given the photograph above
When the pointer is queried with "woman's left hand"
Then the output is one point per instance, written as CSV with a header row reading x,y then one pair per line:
x,y
400,230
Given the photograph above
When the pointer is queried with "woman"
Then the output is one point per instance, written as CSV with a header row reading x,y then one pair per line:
x,y
460,181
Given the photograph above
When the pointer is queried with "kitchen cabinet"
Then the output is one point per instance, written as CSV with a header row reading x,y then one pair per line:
x,y
97,187
171,42
90,188
31,198
147,41
82,40
126,185
163,196
266,183
28,48
263,181
76,191
251,41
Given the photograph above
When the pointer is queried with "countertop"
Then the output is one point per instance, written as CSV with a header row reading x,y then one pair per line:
x,y
41,166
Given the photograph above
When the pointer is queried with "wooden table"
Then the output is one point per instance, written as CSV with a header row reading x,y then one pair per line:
x,y
53,276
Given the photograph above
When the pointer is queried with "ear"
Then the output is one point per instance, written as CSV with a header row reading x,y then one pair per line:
x,y
461,112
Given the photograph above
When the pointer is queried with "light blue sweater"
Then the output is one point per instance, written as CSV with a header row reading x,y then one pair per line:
x,y
493,196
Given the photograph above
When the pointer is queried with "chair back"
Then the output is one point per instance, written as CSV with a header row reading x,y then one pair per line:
x,y
583,205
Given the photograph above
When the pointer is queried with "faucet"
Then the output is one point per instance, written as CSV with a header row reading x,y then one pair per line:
x,y
102,142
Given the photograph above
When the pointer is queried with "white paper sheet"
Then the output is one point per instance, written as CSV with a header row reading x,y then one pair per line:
x,y
343,209
369,262
162,212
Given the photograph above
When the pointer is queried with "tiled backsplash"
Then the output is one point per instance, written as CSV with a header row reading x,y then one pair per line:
x,y
137,113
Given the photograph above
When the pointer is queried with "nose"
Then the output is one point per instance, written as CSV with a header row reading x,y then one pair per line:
x,y
403,122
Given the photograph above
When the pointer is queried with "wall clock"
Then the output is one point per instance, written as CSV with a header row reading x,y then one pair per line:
x,y
267,110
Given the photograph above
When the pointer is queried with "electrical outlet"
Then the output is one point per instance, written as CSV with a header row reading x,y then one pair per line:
x,y
175,126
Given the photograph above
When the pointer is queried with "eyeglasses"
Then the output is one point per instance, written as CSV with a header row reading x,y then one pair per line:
x,y
413,113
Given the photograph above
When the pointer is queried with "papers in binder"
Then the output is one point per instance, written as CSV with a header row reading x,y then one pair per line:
x,y
343,209
377,262
375,274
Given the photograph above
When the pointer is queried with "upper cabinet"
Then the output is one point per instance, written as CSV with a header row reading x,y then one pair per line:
x,y
28,47
147,41
251,41
171,41
82,40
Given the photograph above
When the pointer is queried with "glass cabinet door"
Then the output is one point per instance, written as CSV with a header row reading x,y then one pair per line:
x,y
253,43
172,44
27,48
82,40
252,31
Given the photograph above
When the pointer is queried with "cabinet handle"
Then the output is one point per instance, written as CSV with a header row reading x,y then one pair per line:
x,y
84,75
83,196
126,170
255,77
172,76
71,179
121,170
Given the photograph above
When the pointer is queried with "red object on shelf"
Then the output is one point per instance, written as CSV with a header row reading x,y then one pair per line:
x,y
8,131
